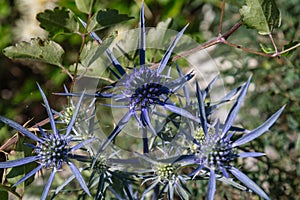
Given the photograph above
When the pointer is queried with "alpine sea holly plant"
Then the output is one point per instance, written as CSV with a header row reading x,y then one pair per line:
x,y
214,151
188,142
52,151
142,89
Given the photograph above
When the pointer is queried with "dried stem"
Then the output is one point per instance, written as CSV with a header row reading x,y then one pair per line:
x,y
221,18
289,49
212,42
274,45
64,70
247,49
83,36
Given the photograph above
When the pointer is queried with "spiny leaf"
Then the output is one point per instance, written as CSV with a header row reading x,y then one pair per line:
x,y
84,5
45,51
262,15
57,21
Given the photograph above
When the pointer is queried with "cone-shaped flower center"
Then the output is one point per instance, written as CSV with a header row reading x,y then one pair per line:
x,y
217,152
148,94
144,87
101,165
67,115
166,171
53,152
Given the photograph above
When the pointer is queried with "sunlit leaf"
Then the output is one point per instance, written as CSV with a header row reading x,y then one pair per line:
x,y
57,21
84,5
92,51
18,172
156,36
37,49
262,15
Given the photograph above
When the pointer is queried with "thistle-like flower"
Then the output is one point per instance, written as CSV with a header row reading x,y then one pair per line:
x,y
206,108
85,118
106,176
143,89
51,151
215,151
164,177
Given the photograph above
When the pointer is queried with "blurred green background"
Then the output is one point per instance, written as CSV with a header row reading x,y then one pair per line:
x,y
275,82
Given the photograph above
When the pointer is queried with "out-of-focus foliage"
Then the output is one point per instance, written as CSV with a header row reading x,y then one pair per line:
x,y
276,81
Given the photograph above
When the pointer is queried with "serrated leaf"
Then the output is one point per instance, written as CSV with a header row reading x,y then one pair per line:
x,y
57,21
105,18
289,45
110,17
46,51
262,15
84,5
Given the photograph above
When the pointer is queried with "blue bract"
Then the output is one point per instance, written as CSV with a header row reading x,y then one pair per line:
x,y
52,150
192,143
214,151
143,88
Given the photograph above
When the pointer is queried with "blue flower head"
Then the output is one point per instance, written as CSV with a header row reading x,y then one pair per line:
x,y
164,177
142,88
215,152
52,151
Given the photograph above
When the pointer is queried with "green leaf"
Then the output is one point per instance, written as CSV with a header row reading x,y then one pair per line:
x,y
3,195
262,15
156,36
27,152
4,189
93,60
92,51
111,16
2,159
105,18
57,21
16,173
37,49
84,5
266,49
289,45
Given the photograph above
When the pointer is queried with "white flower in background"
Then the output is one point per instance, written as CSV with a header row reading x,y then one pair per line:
x,y
27,26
